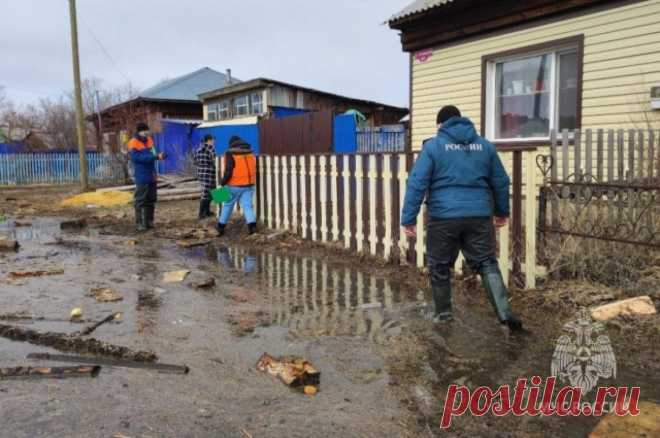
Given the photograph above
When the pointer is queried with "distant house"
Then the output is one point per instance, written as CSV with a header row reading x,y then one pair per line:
x,y
245,102
521,69
175,100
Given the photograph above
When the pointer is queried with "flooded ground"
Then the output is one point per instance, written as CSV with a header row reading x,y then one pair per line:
x,y
385,368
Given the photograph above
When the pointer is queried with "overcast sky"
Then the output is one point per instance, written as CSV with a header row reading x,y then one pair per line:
x,y
339,46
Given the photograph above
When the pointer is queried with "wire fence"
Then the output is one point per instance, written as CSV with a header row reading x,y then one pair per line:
x,y
56,168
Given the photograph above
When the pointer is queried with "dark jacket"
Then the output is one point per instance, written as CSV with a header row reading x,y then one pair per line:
x,y
242,149
460,174
144,160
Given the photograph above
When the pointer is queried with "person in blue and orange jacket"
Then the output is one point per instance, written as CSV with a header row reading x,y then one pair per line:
x,y
144,156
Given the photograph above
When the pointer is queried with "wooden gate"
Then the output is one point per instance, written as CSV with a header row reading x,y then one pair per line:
x,y
302,134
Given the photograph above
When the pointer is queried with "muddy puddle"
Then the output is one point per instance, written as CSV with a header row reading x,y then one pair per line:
x,y
311,297
382,361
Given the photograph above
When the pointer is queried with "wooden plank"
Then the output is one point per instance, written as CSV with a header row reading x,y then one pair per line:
x,y
402,175
294,171
346,175
640,154
286,185
631,155
610,155
620,155
530,221
553,155
334,196
564,155
359,200
277,172
387,197
312,197
372,181
652,158
588,165
323,196
304,211
577,158
599,156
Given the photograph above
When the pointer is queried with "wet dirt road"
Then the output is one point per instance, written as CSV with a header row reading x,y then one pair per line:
x,y
385,369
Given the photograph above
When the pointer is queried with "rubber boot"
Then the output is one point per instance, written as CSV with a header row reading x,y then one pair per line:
x,y
498,295
220,228
442,303
202,210
151,210
252,228
141,219
207,208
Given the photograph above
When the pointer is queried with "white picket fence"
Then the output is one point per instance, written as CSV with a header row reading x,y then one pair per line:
x,y
356,200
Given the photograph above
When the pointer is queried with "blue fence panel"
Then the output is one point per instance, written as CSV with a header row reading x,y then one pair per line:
x,y
344,140
222,134
176,141
55,168
391,138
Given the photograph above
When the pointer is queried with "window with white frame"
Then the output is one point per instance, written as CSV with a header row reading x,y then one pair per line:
x,y
223,110
212,112
256,103
241,106
530,94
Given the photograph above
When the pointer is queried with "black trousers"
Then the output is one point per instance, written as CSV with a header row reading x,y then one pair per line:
x,y
445,238
145,195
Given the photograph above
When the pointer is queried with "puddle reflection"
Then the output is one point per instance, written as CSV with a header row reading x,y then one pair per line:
x,y
311,297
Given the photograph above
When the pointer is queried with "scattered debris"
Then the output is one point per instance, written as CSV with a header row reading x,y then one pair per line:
x,y
8,245
76,313
23,274
111,198
192,243
22,224
105,294
175,276
632,306
74,343
293,371
205,284
49,372
114,317
310,390
75,224
160,367
647,423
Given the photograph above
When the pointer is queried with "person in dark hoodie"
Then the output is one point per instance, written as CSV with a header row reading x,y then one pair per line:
x,y
240,176
467,193
144,156
204,159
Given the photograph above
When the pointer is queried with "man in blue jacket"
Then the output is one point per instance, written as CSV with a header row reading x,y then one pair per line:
x,y
144,156
467,193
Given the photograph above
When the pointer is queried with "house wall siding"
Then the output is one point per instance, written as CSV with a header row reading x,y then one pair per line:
x,y
621,63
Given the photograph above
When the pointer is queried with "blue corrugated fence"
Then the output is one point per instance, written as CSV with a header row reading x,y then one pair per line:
x,y
56,168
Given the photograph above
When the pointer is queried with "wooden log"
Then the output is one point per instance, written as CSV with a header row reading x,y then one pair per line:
x,y
178,197
179,191
160,367
74,343
49,372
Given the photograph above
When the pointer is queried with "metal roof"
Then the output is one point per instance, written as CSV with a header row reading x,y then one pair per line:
x,y
188,86
418,6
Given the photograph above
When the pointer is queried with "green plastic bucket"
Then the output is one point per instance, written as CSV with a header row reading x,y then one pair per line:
x,y
220,195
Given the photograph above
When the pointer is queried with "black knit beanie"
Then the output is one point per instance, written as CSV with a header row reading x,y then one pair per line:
x,y
446,113
141,127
